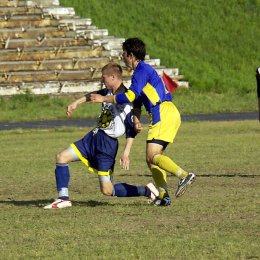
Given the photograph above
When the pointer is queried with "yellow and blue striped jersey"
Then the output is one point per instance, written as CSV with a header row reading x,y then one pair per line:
x,y
146,88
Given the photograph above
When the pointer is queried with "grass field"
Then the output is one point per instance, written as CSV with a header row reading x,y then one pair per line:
x,y
218,217
213,43
29,107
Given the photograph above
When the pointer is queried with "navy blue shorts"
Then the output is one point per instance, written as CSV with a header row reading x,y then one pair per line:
x,y
98,151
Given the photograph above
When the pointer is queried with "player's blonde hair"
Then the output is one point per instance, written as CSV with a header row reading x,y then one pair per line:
x,y
113,68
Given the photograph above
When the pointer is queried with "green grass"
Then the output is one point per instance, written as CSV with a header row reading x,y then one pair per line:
x,y
216,219
213,43
30,107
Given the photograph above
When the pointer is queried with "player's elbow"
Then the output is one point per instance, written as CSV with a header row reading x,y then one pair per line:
x,y
127,97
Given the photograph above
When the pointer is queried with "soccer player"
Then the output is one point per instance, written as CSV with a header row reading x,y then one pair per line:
x,y
148,89
98,149
258,90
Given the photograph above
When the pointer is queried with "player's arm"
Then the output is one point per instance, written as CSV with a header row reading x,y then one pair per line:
x,y
124,158
78,101
137,123
130,135
139,80
127,97
137,115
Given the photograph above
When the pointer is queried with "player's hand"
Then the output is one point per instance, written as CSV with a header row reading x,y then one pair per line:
x,y
138,127
96,98
124,162
70,108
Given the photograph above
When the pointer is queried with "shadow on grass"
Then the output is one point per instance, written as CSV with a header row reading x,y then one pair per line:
x,y
42,203
227,175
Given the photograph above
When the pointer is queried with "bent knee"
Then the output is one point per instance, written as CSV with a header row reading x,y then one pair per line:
x,y
107,192
149,161
59,158
62,157
107,189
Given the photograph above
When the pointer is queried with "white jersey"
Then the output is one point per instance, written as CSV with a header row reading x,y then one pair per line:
x,y
116,119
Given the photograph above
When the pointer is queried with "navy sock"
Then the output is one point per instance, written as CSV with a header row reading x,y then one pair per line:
x,y
127,190
62,175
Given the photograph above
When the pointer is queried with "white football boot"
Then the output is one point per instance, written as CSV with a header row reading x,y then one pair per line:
x,y
154,193
59,204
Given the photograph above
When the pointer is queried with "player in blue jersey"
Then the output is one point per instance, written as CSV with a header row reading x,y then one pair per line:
x,y
148,89
98,149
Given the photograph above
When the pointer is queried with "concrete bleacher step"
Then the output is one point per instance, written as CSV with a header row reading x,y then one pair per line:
x,y
42,41
31,32
50,32
91,33
25,10
74,22
68,74
33,3
40,53
58,12
55,64
29,20
68,64
51,75
54,75
60,87
47,49
51,87
20,10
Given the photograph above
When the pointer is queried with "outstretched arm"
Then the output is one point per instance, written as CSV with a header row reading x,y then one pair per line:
x,y
96,98
124,158
75,103
121,98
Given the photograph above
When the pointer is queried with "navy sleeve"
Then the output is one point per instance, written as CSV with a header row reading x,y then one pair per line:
x,y
129,125
138,102
102,92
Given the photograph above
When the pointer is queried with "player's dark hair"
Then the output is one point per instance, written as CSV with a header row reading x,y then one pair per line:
x,y
113,68
135,46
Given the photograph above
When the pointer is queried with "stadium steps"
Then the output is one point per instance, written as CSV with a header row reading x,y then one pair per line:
x,y
88,32
57,52
48,49
35,3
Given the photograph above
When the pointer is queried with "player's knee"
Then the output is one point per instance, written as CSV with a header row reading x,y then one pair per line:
x,y
149,160
60,158
106,192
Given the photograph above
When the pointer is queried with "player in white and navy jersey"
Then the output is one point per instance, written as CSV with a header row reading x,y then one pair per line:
x,y
98,149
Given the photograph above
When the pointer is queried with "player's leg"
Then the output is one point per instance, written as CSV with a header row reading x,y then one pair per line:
x,y
103,160
125,189
62,171
62,175
165,163
159,175
165,132
160,179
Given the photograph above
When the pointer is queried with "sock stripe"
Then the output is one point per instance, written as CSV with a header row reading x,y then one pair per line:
x,y
62,164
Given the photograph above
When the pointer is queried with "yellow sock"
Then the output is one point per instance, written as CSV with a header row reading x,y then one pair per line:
x,y
160,179
159,176
169,165
163,193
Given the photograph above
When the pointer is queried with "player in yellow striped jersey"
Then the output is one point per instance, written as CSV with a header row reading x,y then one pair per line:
x,y
147,89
